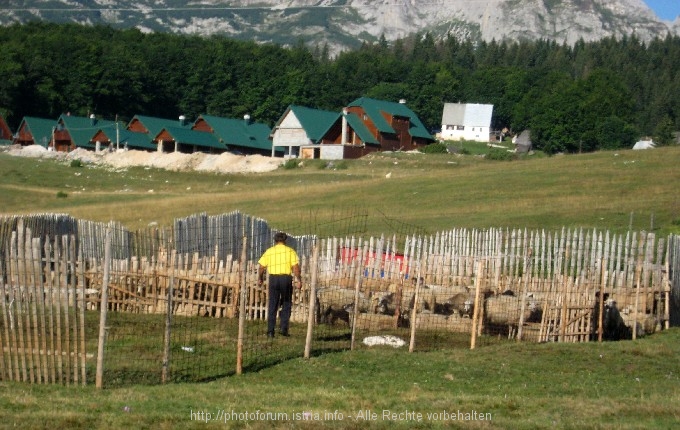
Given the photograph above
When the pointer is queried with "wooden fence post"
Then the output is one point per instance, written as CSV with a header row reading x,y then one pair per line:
x,y
168,328
243,296
103,311
416,301
477,312
357,287
312,298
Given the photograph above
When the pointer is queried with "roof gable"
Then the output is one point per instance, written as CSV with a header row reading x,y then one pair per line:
x,y
155,125
40,129
82,129
315,122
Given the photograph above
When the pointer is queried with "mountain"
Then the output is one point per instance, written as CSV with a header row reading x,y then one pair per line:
x,y
346,24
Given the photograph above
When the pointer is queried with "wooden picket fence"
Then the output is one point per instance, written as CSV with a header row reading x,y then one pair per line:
x,y
49,286
43,312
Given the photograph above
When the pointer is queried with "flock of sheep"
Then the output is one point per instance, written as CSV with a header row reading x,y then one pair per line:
x,y
453,308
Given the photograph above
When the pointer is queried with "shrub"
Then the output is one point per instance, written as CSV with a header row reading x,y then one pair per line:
x,y
76,163
434,148
291,163
500,155
61,195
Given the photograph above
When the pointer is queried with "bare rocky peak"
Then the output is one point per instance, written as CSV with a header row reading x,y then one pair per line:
x,y
346,23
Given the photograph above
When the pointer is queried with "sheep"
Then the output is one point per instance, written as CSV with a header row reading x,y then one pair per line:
x,y
337,298
461,303
332,315
505,311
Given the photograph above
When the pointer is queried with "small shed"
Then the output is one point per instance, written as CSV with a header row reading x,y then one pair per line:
x,y
467,121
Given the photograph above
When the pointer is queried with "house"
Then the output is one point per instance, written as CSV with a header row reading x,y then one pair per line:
x,y
122,138
5,133
138,134
185,140
466,121
300,130
79,132
240,136
522,142
392,125
35,131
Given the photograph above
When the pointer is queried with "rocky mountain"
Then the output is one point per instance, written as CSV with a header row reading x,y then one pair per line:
x,y
347,23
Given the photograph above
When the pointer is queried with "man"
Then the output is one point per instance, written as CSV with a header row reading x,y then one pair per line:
x,y
283,265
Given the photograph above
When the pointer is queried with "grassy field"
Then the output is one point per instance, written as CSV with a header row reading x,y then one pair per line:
x,y
629,385
615,385
424,192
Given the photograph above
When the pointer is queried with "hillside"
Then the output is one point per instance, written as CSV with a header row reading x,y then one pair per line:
x,y
343,24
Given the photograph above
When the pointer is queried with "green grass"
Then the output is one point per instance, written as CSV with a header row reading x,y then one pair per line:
x,y
617,385
424,192
623,385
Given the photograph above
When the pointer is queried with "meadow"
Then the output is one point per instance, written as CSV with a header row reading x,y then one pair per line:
x,y
421,192
612,385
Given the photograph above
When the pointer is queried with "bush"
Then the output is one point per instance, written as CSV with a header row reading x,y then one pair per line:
x,y
76,163
291,163
434,148
500,155
61,195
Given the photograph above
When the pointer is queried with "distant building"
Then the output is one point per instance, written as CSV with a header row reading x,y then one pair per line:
x,y
466,121
35,131
5,132
644,144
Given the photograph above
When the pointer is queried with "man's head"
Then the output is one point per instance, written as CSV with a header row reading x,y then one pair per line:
x,y
280,237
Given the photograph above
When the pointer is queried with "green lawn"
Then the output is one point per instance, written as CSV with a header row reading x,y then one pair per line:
x,y
616,385
629,385
424,192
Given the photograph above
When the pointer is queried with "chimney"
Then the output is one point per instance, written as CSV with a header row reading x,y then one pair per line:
x,y
182,120
93,120
343,139
246,118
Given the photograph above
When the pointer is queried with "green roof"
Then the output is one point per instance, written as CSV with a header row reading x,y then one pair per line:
x,y
155,125
239,132
373,109
188,136
360,129
315,122
82,129
136,140
40,129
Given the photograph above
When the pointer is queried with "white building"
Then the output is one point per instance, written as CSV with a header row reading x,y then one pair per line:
x,y
466,121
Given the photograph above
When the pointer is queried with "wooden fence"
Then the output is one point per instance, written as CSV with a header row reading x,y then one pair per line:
x,y
43,312
49,283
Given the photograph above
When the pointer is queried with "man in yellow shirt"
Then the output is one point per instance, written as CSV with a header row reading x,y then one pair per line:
x,y
283,265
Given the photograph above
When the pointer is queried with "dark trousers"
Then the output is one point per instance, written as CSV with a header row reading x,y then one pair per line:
x,y
280,294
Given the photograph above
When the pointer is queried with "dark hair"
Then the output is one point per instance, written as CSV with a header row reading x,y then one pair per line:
x,y
280,237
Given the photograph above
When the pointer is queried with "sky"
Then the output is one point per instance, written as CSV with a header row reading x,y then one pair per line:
x,y
665,9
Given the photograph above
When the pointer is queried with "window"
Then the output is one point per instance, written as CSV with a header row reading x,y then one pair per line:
x,y
460,127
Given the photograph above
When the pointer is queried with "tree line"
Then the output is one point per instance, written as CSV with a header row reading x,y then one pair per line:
x,y
585,97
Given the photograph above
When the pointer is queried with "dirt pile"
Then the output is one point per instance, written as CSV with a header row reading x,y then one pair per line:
x,y
175,161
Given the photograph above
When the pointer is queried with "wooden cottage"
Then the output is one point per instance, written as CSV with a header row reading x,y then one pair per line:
x,y
5,132
382,126
35,131
239,136
300,131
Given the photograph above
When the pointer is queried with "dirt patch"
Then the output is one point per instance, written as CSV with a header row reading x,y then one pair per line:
x,y
175,161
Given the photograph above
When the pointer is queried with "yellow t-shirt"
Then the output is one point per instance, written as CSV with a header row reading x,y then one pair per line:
x,y
279,259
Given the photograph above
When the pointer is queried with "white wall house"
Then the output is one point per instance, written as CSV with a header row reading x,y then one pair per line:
x,y
300,129
467,121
